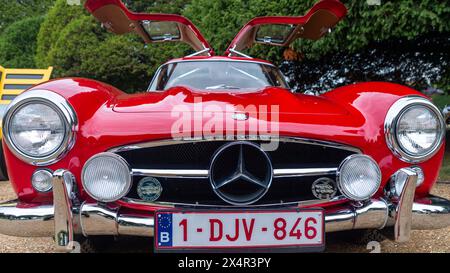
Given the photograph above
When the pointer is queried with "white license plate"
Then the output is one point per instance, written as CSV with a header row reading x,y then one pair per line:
x,y
239,229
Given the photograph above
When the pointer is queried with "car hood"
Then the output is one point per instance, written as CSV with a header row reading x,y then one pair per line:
x,y
182,99
283,112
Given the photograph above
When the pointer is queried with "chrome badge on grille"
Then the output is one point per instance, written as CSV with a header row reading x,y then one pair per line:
x,y
324,188
149,189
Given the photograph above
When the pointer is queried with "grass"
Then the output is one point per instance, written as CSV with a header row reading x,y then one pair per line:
x,y
444,175
441,100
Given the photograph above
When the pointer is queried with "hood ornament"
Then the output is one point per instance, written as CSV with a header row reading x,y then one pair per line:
x,y
240,116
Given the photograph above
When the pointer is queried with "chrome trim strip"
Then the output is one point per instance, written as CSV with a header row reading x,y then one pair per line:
x,y
57,103
390,124
238,53
24,221
199,52
431,212
204,174
158,143
171,173
135,225
298,172
250,60
187,205
97,219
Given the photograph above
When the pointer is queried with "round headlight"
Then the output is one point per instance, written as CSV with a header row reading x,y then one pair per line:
x,y
106,177
418,130
38,127
414,129
359,177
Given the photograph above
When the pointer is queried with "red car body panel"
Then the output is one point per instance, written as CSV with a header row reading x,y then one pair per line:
x,y
353,115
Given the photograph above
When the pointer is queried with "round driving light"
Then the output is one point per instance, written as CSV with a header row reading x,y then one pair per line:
x,y
418,130
39,127
420,175
36,129
106,177
414,129
42,180
149,189
359,177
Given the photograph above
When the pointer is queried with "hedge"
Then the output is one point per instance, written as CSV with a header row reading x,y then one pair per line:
x,y
18,43
74,43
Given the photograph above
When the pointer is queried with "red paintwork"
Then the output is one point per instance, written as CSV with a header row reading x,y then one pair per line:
x,y
109,118
352,115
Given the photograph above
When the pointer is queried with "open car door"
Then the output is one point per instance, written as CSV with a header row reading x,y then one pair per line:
x,y
115,16
284,30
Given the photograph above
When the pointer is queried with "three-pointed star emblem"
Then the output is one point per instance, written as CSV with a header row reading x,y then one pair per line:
x,y
236,165
241,173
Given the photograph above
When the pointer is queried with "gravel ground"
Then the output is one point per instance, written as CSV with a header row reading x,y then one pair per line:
x,y
422,241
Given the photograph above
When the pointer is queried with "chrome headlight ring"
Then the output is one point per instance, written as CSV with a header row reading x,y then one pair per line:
x,y
390,128
57,103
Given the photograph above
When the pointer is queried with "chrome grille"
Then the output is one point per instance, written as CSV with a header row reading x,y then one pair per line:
x,y
182,167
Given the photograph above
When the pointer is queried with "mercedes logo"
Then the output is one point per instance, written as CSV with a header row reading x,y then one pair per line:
x,y
241,173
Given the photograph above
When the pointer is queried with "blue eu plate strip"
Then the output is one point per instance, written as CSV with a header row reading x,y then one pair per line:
x,y
165,229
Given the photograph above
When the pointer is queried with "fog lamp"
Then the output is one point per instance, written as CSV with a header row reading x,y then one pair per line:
x,y
42,180
106,177
359,177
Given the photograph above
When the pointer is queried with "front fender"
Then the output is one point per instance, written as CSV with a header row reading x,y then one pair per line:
x,y
86,97
373,100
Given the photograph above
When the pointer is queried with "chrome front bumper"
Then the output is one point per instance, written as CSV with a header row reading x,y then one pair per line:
x,y
67,217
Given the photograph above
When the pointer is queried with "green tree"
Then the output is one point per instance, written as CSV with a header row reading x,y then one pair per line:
x,y
18,43
12,11
58,17
73,42
221,20
157,6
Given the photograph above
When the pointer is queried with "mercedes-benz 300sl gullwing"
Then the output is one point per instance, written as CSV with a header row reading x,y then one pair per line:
x,y
219,154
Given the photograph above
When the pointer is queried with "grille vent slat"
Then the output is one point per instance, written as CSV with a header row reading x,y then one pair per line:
x,y
198,156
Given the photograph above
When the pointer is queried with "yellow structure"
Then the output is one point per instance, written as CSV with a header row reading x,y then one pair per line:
x,y
15,81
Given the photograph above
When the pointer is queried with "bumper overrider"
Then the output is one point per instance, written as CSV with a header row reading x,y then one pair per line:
x,y
399,213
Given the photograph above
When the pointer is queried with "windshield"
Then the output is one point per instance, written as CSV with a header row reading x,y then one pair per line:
x,y
217,75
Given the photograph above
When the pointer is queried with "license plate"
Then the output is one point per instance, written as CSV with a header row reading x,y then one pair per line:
x,y
185,230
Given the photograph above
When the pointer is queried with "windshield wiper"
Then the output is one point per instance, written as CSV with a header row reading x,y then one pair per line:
x,y
221,86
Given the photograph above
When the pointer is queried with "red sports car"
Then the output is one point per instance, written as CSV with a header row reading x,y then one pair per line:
x,y
219,153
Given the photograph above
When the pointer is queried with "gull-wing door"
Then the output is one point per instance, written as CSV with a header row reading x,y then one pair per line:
x,y
116,17
284,30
